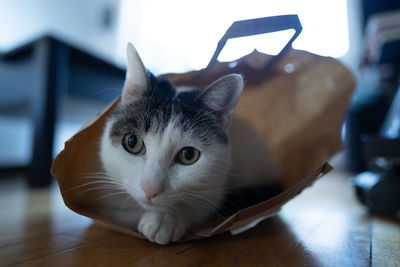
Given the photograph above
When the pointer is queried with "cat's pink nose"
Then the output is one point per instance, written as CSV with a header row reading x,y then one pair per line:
x,y
150,195
151,191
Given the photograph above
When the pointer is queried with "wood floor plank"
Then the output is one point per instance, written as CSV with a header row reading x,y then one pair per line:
x,y
118,251
385,242
268,244
332,228
28,215
93,232
27,251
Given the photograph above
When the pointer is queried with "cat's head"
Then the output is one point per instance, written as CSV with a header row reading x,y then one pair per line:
x,y
163,143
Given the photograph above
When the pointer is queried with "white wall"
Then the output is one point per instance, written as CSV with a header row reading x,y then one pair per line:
x,y
77,20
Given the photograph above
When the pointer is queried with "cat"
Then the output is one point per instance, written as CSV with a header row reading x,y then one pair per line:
x,y
169,148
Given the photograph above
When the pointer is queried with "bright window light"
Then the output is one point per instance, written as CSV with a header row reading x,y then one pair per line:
x,y
271,43
176,36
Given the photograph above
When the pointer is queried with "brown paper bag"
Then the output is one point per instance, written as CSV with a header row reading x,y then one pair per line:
x,y
297,108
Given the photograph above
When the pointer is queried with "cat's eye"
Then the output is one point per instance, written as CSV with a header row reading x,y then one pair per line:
x,y
188,155
133,144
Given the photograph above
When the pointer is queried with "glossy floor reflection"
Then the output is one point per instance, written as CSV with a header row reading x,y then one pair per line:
x,y
324,226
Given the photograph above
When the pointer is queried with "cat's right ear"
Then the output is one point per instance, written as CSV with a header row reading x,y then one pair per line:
x,y
136,81
222,96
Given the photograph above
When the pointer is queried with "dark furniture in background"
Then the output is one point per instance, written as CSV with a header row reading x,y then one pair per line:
x,y
371,7
37,75
379,79
372,129
379,187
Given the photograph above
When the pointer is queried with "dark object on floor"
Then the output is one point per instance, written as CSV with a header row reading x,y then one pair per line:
x,y
379,189
379,192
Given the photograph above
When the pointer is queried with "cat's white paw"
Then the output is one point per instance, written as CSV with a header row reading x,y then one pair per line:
x,y
161,228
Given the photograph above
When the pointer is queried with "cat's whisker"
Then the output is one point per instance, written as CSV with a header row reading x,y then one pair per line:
x,y
95,173
95,188
97,176
125,202
226,189
193,203
201,198
190,193
90,183
102,176
81,193
92,174
168,201
110,195
204,206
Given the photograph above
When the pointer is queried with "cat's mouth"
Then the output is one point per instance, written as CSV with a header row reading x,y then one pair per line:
x,y
150,204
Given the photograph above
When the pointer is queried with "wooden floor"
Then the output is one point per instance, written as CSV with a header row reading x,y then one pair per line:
x,y
324,226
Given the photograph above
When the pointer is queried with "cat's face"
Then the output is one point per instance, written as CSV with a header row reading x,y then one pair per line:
x,y
166,146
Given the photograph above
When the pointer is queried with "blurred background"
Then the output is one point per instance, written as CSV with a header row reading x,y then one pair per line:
x,y
90,37
171,36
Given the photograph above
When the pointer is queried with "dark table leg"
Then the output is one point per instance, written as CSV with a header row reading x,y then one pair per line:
x,y
52,60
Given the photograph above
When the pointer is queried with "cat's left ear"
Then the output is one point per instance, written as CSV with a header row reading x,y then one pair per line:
x,y
222,96
136,81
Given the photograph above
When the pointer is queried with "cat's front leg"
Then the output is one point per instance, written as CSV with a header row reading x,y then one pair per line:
x,y
161,228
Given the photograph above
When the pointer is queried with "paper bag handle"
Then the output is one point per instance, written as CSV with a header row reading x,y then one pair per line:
x,y
257,26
